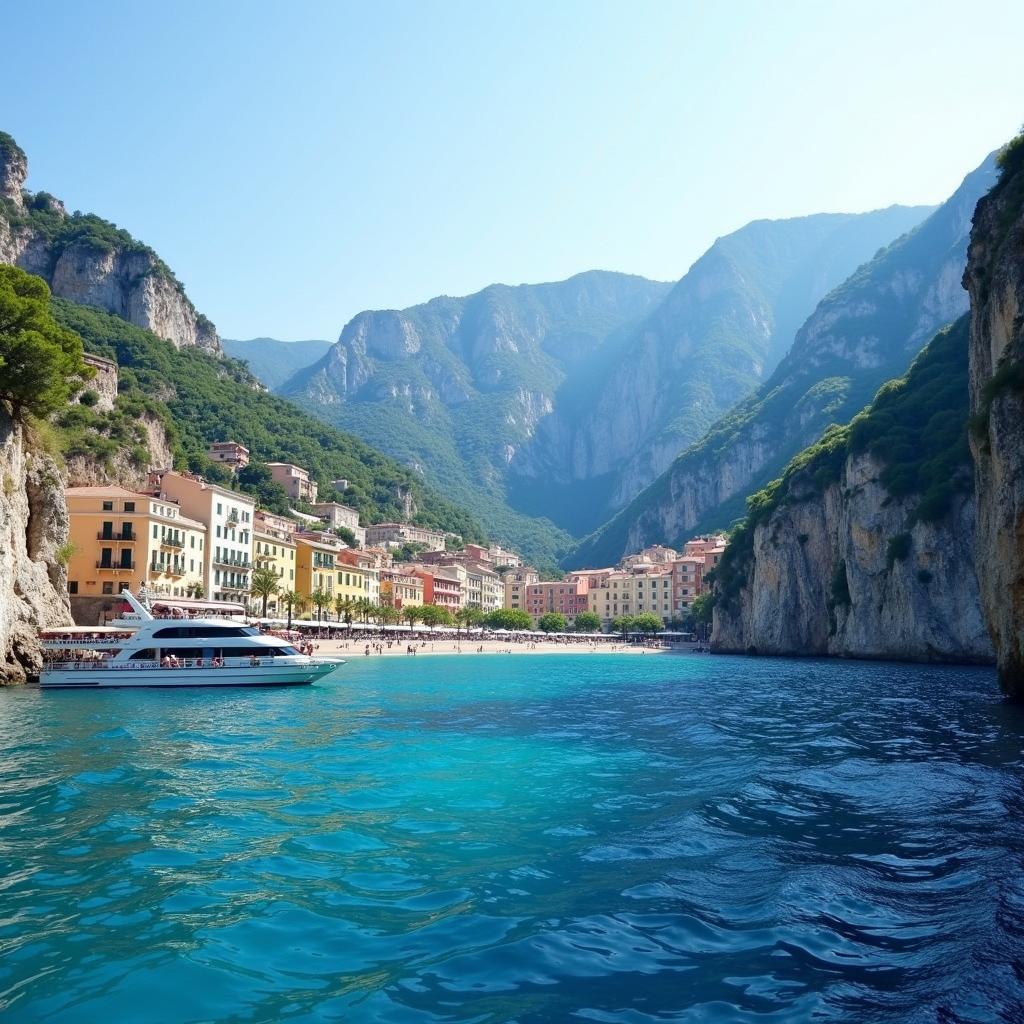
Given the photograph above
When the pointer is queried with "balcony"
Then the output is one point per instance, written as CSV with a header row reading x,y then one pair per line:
x,y
167,568
172,540
241,563
125,537
116,566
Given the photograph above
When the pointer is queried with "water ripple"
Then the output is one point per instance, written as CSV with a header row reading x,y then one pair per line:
x,y
634,840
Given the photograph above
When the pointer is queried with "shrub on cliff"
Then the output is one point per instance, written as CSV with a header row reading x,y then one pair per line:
x,y
40,361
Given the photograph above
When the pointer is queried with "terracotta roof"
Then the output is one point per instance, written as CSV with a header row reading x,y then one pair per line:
x,y
111,490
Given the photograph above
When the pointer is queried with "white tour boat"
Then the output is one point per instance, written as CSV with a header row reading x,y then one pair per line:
x,y
142,650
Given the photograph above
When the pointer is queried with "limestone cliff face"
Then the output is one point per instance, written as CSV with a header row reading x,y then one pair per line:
x,y
33,527
122,469
865,332
822,579
114,272
995,279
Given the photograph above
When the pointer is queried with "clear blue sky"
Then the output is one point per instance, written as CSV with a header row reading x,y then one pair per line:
x,y
297,163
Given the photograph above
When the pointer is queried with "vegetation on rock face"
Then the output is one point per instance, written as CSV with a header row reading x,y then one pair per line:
x,y
207,399
864,332
917,429
40,359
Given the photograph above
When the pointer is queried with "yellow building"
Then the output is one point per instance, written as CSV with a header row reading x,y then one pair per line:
x,y
315,563
357,576
624,593
123,540
274,548
399,589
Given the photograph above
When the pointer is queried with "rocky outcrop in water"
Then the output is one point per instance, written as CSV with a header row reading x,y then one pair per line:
x,y
88,260
865,547
823,579
995,280
33,531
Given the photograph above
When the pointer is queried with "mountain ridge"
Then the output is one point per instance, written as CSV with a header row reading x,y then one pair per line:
x,y
863,333
485,394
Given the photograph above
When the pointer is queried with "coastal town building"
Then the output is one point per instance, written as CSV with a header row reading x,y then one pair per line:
x,y
484,589
568,599
633,593
397,534
315,562
274,548
335,515
657,554
295,480
358,576
500,556
515,582
126,540
442,585
687,583
399,588
229,519
229,453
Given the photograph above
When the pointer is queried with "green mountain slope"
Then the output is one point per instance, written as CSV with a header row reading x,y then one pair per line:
x,y
715,336
456,386
916,426
865,332
273,362
555,403
208,398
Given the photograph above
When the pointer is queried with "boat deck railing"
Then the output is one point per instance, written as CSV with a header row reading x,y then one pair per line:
x,y
194,664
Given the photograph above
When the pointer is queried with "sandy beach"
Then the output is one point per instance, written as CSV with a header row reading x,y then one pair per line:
x,y
400,648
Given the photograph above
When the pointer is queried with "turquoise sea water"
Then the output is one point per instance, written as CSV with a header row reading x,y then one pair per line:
x,y
590,837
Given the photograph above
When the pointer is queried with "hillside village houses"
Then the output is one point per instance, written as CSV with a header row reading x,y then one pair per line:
x,y
184,537
295,480
394,535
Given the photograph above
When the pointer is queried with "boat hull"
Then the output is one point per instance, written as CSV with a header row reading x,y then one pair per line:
x,y
173,678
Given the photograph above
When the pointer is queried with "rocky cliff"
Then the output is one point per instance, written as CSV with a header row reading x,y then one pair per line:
x,y
823,579
33,535
995,280
88,260
865,547
865,332
562,400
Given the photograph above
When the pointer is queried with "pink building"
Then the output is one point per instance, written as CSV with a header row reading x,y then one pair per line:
x,y
687,582
562,596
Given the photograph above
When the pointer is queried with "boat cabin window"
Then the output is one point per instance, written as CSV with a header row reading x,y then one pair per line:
x,y
195,632
250,652
149,654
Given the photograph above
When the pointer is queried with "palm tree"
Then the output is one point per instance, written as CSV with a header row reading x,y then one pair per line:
x,y
293,600
321,600
345,606
387,615
468,617
264,584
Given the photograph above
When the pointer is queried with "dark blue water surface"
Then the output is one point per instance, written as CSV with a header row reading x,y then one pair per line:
x,y
587,837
